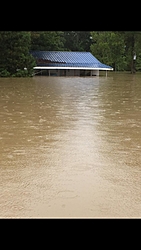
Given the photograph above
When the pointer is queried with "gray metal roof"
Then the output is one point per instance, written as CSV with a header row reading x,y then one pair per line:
x,y
68,59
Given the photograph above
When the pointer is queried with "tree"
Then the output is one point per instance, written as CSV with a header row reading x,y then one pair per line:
x,y
109,48
77,40
132,45
47,40
15,59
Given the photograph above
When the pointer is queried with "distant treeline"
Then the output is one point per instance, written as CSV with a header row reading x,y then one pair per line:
x,y
119,49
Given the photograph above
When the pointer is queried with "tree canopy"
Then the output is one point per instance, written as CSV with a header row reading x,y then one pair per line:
x,y
119,49
47,40
15,59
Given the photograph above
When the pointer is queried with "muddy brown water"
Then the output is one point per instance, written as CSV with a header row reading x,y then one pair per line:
x,y
70,147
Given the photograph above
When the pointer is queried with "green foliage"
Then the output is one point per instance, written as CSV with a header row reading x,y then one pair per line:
x,y
14,53
115,48
133,45
47,40
4,73
138,62
109,48
77,40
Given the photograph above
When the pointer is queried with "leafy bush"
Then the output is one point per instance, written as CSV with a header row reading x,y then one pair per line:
x,y
4,73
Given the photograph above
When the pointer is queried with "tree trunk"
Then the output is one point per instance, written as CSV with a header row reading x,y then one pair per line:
x,y
133,70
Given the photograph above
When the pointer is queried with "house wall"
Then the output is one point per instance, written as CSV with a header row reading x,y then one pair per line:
x,y
70,72
94,72
77,72
67,72
54,72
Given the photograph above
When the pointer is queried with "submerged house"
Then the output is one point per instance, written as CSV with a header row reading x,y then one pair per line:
x,y
67,63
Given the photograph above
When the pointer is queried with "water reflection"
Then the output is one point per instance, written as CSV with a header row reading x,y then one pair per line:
x,y
70,147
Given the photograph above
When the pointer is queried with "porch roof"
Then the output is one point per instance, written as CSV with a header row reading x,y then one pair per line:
x,y
68,60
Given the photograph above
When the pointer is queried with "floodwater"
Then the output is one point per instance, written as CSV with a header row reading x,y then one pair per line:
x,y
70,147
